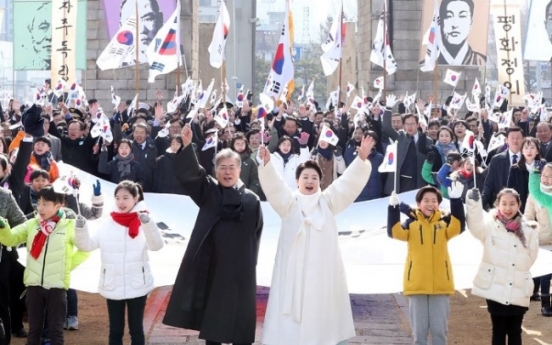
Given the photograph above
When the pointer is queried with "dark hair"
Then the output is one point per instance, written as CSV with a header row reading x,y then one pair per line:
x,y
508,191
455,156
514,129
428,189
407,116
472,118
39,173
443,14
250,133
4,161
45,140
240,136
82,126
49,194
521,162
92,101
460,122
178,138
433,123
135,189
371,133
125,141
284,138
310,164
5,146
447,129
140,125
171,121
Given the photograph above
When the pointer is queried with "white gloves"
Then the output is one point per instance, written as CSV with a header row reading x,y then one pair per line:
x,y
390,101
144,217
80,222
394,199
455,190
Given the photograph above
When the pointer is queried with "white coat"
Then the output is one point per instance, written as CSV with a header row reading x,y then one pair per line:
x,y
309,299
287,170
125,270
536,212
503,274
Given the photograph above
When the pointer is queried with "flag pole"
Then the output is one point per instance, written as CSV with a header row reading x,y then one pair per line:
x,y
396,172
435,84
341,59
137,63
223,83
177,78
384,46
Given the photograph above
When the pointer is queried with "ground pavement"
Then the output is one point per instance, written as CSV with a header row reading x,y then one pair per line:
x,y
379,319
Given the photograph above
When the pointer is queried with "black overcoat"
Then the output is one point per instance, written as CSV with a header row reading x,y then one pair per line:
x,y
215,289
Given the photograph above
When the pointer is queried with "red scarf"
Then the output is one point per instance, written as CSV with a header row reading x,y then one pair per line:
x,y
129,220
466,174
46,228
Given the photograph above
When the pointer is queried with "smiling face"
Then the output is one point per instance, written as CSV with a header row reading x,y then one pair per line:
x,y
285,146
228,172
460,130
508,205
529,151
444,137
255,141
124,201
40,147
429,204
239,145
124,150
308,182
457,22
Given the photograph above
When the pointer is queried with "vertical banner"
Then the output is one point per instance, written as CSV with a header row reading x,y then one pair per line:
x,y
32,23
539,26
64,39
507,26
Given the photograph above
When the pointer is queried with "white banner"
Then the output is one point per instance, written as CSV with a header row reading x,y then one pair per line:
x,y
374,263
538,46
64,38
507,26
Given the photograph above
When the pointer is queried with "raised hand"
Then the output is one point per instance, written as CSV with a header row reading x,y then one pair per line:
x,y
455,190
474,194
390,101
303,138
394,199
186,134
144,217
80,221
366,146
264,154
97,188
266,136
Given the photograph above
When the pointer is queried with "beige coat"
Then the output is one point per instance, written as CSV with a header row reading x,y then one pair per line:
x,y
503,274
309,299
535,212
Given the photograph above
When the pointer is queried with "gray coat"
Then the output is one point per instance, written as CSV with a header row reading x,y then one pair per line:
x,y
55,148
403,141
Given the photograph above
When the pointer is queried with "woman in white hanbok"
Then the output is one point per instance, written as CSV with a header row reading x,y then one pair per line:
x,y
309,300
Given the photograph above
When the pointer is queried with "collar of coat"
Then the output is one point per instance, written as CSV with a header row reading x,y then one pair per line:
x,y
435,217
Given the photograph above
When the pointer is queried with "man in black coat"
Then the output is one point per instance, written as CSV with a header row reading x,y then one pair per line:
x,y
215,290
499,168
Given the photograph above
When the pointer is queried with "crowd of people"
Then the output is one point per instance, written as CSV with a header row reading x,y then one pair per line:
x,y
309,165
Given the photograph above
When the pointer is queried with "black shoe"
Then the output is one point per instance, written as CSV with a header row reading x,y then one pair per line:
x,y
535,297
546,311
22,333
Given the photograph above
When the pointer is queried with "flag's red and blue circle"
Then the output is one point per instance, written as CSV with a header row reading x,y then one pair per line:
x,y
390,158
125,37
169,44
261,112
329,133
279,60
240,97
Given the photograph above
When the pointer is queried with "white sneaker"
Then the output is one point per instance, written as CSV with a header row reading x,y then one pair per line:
x,y
72,323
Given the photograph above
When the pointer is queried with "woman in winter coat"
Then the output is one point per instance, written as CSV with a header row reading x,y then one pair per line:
x,y
445,144
465,176
534,211
124,240
123,166
374,187
249,174
519,172
309,301
510,247
330,161
164,178
286,162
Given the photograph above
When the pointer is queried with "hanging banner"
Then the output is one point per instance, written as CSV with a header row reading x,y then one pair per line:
x,y
539,26
507,26
463,28
33,34
64,39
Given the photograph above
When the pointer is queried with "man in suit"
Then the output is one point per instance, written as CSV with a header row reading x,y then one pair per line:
x,y
499,168
544,134
56,142
409,159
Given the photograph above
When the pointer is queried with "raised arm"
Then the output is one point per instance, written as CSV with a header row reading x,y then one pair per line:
x,y
477,219
83,240
386,125
539,196
275,189
154,240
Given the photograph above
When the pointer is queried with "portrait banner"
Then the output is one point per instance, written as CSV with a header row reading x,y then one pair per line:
x,y
539,26
33,34
152,14
64,38
463,29
507,27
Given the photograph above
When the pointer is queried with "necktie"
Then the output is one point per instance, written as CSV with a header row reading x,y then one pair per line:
x,y
514,159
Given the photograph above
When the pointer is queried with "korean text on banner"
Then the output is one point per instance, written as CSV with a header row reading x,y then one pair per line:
x,y
64,38
507,26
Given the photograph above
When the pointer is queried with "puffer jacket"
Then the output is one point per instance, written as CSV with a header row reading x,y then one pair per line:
x,y
125,270
428,270
52,269
287,170
536,212
503,274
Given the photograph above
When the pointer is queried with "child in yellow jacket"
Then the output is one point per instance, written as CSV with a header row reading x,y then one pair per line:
x,y
428,279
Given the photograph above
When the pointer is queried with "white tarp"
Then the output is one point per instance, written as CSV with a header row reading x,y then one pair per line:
x,y
374,262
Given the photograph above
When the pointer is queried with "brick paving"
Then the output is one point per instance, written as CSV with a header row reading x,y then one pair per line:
x,y
379,319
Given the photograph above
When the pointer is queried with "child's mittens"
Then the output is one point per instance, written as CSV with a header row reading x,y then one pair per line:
x,y
474,194
144,218
80,222
406,209
97,188
455,190
394,199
